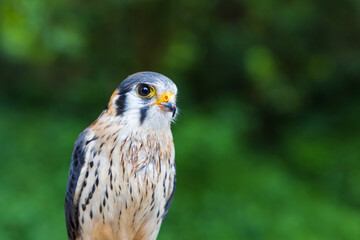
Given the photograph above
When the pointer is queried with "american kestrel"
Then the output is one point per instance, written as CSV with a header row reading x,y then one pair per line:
x,y
122,173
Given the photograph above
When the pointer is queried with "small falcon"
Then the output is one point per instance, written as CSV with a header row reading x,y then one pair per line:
x,y
122,173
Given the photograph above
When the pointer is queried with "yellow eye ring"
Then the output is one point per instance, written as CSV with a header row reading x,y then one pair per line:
x,y
145,91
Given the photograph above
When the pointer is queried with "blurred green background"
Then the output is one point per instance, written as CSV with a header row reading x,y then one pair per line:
x,y
268,139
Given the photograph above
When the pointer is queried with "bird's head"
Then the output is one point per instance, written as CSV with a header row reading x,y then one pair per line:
x,y
145,99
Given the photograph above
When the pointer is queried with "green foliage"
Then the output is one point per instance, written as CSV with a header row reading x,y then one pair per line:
x,y
267,141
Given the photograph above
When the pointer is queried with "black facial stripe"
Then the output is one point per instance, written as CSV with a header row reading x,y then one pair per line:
x,y
120,104
143,114
131,83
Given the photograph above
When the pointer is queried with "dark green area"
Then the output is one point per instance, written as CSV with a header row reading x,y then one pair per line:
x,y
268,139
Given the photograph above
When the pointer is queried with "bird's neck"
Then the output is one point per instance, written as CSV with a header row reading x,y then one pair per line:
x,y
107,124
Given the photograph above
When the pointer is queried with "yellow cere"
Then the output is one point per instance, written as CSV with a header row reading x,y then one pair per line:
x,y
165,98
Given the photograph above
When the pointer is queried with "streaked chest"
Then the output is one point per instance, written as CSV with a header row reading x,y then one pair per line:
x,y
128,179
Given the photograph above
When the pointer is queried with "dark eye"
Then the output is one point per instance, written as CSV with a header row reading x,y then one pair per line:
x,y
145,90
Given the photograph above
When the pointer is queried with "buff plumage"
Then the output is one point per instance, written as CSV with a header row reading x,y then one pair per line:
x,y
122,174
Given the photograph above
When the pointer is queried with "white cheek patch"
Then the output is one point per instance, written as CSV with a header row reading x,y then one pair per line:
x,y
139,112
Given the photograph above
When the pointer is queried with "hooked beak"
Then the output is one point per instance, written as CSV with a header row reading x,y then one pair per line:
x,y
167,102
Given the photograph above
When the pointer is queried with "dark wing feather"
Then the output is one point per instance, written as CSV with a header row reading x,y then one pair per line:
x,y
77,162
169,201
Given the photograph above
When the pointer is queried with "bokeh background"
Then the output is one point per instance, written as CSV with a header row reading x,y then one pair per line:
x,y
268,139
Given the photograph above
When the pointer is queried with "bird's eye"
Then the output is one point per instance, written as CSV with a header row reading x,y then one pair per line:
x,y
145,91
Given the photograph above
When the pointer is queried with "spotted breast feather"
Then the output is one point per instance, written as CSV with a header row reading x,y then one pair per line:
x,y
122,173
121,190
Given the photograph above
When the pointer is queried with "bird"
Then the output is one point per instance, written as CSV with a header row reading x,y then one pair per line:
x,y
122,173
